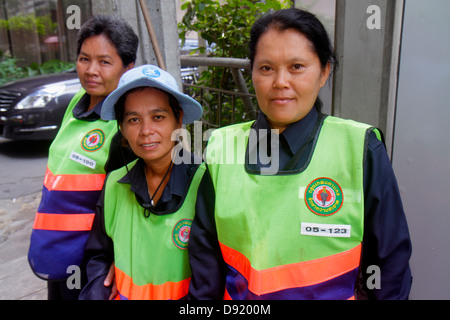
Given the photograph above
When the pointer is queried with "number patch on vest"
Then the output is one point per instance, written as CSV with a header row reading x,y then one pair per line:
x,y
326,230
85,161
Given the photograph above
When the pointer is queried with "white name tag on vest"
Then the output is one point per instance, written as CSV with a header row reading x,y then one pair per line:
x,y
326,230
85,161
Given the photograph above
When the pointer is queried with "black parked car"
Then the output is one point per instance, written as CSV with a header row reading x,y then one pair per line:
x,y
33,108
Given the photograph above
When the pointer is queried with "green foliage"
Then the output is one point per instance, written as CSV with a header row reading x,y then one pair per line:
x,y
52,66
225,25
21,25
9,71
41,25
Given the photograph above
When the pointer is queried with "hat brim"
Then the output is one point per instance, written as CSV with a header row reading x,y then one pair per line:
x,y
192,110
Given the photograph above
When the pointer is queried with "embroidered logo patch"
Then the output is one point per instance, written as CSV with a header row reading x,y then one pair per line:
x,y
151,72
181,232
324,197
93,141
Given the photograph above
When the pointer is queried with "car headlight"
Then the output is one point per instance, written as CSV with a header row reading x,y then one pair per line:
x,y
39,99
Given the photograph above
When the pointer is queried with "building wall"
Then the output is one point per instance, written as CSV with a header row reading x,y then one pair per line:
x,y
366,82
421,153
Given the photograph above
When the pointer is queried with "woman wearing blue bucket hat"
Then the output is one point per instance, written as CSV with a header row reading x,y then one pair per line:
x,y
146,209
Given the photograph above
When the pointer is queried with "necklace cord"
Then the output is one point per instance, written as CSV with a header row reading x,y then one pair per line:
x,y
164,178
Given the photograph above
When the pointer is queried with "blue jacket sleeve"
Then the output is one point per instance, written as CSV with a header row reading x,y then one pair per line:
x,y
386,242
98,257
205,256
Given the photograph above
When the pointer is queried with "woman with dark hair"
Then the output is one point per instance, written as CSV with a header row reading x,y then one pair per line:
x,y
118,32
324,212
306,24
84,150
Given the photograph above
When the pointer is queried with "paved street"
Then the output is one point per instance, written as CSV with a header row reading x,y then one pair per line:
x,y
22,168
17,281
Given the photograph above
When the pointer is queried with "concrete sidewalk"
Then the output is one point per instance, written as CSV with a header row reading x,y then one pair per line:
x,y
17,281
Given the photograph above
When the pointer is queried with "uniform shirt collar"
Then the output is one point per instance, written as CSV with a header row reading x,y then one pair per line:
x,y
176,186
80,110
296,133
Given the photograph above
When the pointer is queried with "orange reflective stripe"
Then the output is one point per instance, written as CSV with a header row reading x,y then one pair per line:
x,y
73,182
166,291
227,296
294,275
63,222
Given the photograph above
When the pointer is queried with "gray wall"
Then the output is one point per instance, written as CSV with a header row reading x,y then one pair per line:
x,y
421,155
365,84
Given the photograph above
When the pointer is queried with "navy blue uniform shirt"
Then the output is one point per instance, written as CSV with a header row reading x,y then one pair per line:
x,y
386,241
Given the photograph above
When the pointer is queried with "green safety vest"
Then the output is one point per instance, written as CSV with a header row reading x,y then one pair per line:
x,y
296,235
72,185
150,254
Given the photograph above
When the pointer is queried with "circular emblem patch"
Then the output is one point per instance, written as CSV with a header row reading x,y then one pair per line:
x,y
93,141
324,197
181,232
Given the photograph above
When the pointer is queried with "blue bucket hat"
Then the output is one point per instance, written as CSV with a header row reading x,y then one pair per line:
x,y
151,76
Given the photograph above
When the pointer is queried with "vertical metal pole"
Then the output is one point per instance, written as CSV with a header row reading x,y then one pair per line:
x,y
152,34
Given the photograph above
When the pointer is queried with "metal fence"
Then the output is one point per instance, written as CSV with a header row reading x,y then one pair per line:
x,y
221,107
